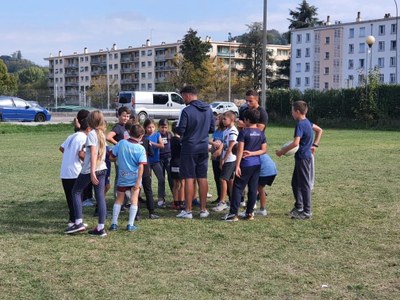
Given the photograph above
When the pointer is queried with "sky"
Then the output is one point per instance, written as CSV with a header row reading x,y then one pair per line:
x,y
39,28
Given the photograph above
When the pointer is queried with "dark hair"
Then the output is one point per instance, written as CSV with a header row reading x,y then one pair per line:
x,y
123,109
252,115
174,125
301,106
252,93
147,122
163,122
189,89
84,124
82,114
136,131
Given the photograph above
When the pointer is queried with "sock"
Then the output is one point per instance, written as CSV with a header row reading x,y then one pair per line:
x,y
78,221
116,211
100,227
132,214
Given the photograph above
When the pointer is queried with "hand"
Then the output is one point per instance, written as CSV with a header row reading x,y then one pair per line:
x,y
313,150
279,153
94,179
238,172
246,153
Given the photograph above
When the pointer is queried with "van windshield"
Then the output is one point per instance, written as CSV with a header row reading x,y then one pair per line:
x,y
125,98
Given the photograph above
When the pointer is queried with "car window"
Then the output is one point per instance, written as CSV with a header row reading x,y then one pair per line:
x,y
20,103
125,98
6,102
160,98
214,104
176,98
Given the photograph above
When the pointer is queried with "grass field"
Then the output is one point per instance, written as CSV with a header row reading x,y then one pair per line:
x,y
349,250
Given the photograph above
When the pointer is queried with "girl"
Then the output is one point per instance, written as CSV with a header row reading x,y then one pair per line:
x,y
178,191
93,171
156,143
165,153
216,152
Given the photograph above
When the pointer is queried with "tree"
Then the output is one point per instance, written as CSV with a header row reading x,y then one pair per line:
x,y
8,82
193,49
32,83
304,16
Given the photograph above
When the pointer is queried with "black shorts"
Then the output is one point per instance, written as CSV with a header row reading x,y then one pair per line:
x,y
228,170
266,180
124,189
194,165
175,173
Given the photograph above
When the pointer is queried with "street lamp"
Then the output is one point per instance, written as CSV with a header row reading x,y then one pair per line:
x,y
264,58
370,40
108,80
229,68
397,40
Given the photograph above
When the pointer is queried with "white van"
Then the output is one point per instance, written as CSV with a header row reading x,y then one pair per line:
x,y
155,105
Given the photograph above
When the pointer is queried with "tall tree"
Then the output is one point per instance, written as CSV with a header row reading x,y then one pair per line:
x,y
194,49
8,82
304,16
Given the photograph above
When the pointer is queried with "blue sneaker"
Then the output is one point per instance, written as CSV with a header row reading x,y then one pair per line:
x,y
113,227
131,227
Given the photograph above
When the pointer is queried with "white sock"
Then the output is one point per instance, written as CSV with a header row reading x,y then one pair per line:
x,y
132,214
78,221
116,211
100,227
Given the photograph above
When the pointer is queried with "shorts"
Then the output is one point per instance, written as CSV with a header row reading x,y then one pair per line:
x,y
228,170
175,173
124,189
194,165
266,180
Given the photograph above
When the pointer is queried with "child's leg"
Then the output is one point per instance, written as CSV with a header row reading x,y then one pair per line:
x,y
217,175
224,189
262,196
134,205
100,197
252,183
81,183
181,190
156,167
68,184
146,184
117,207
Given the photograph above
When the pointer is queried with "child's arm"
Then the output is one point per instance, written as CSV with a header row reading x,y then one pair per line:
x,y
228,151
294,144
263,150
139,178
110,137
239,155
318,133
159,145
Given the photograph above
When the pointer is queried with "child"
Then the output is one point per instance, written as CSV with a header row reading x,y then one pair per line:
x,y
71,164
131,157
251,144
165,153
156,143
228,159
267,176
216,152
303,166
94,170
178,191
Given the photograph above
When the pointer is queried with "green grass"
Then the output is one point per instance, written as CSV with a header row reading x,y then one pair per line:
x,y
349,250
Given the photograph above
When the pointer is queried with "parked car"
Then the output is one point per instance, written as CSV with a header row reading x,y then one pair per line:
x,y
17,109
221,107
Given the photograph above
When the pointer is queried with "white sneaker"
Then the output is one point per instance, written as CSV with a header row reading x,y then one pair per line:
x,y
209,195
161,203
204,214
220,206
261,212
242,214
243,204
185,215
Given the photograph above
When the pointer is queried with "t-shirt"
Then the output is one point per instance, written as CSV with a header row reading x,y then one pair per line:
x,y
304,130
166,151
120,132
175,151
268,167
263,114
218,135
230,134
129,155
149,152
93,141
155,158
71,164
252,138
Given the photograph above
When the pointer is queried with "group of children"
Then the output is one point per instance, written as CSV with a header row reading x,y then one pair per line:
x,y
239,159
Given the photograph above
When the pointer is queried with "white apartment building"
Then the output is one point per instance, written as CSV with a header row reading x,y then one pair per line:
x,y
334,56
139,69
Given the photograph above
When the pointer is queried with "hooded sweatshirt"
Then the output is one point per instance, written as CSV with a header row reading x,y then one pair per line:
x,y
195,123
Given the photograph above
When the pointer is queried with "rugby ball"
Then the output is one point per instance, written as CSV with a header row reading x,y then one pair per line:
x,y
291,151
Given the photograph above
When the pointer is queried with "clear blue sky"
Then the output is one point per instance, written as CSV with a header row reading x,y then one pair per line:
x,y
41,27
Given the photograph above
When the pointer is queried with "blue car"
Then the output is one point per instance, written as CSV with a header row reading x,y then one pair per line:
x,y
17,109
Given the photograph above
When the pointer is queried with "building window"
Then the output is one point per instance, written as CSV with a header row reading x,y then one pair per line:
x,y
381,46
115,76
351,33
307,81
360,79
149,75
362,32
393,61
81,59
351,48
307,37
351,64
143,75
149,52
327,40
326,55
392,78
393,45
115,66
298,38
393,28
298,81
110,67
86,58
381,78
316,82
149,63
298,53
143,86
361,48
307,52
149,86
86,69
326,85
307,67
143,64
381,62
361,63
326,71
86,78
298,67
143,53
115,55
381,30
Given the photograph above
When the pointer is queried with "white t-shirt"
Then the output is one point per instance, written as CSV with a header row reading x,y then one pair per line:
x,y
93,141
230,134
71,165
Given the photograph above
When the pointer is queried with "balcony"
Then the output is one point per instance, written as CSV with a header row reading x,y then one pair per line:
x,y
70,74
71,84
98,72
129,80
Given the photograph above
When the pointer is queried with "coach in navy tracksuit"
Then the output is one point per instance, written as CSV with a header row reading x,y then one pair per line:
x,y
195,124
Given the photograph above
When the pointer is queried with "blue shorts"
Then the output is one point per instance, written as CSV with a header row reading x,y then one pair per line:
x,y
194,165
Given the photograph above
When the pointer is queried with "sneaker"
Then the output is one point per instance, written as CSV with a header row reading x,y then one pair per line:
x,y
248,217
185,215
243,204
88,202
113,227
196,202
216,201
75,228
154,216
302,216
209,195
96,232
220,207
230,218
204,214
242,214
131,227
161,203
261,212
295,212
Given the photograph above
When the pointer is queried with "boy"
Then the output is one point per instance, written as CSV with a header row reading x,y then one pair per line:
x,y
302,174
267,176
251,144
228,159
131,158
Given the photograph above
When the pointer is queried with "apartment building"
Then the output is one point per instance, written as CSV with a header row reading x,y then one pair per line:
x,y
133,68
334,56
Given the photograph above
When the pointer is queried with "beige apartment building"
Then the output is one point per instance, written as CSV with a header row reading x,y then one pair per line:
x,y
133,68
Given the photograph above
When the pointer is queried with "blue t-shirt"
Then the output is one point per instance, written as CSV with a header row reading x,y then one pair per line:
x,y
129,156
154,138
253,138
120,132
218,135
268,167
304,130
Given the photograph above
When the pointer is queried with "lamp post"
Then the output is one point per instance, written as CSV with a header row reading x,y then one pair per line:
x,y
108,81
264,60
229,68
370,40
397,40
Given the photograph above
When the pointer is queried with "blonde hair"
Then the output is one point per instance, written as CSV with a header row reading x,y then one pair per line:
x,y
97,122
